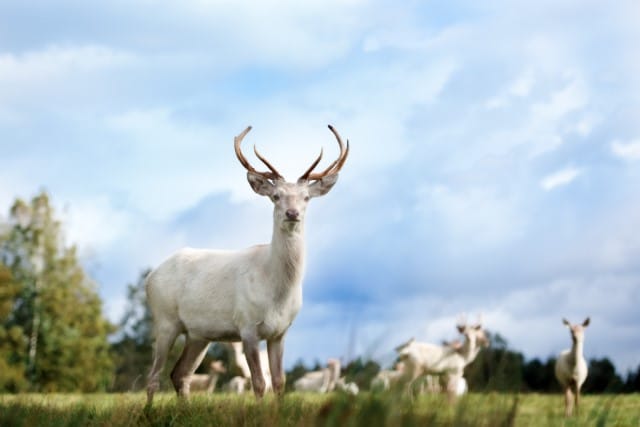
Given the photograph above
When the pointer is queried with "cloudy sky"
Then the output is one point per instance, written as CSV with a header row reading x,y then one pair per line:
x,y
494,165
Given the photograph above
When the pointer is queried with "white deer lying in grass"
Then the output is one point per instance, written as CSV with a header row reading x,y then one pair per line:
x,y
571,367
430,359
207,382
321,381
249,295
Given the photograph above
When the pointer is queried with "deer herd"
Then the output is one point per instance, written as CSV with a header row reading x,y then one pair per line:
x,y
248,296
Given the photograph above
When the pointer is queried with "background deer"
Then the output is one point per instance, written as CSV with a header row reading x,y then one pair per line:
x,y
207,382
248,295
448,361
571,368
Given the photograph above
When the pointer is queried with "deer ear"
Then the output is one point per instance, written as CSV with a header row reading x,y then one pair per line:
x,y
566,322
586,322
460,328
323,185
260,184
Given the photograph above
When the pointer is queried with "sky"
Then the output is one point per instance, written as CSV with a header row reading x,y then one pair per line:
x,y
494,166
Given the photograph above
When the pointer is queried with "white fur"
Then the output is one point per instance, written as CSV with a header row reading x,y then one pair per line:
x,y
240,360
207,382
423,359
249,295
347,387
571,367
388,378
238,385
322,381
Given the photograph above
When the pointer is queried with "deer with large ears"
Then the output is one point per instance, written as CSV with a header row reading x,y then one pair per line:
x,y
571,367
249,295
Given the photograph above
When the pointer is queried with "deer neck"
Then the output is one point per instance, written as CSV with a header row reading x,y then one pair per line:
x,y
287,253
469,350
576,350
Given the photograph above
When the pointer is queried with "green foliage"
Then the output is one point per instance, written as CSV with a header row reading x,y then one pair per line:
x,y
361,372
50,308
602,378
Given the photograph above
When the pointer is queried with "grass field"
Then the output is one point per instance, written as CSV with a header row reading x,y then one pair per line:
x,y
313,410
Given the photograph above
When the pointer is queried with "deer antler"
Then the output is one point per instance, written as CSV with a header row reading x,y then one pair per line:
x,y
274,174
334,167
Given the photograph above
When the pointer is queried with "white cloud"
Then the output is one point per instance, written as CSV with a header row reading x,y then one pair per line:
x,y
473,217
560,178
55,61
574,96
94,224
629,151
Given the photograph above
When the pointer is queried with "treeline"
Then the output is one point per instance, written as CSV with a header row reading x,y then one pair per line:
x,y
54,336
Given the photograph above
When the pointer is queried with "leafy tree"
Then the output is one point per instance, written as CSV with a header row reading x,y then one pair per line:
x,y
361,372
539,376
632,384
602,377
12,348
496,368
53,311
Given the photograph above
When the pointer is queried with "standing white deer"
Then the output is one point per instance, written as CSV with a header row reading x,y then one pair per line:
x,y
571,368
448,361
248,295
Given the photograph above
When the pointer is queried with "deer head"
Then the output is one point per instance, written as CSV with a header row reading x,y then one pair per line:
x,y
473,333
577,330
290,199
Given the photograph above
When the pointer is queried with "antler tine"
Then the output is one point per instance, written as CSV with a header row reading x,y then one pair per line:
x,y
274,172
236,145
336,165
305,176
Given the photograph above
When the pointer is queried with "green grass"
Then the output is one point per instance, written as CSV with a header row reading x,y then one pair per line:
x,y
313,410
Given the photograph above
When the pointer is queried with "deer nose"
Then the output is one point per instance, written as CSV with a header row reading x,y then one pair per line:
x,y
292,214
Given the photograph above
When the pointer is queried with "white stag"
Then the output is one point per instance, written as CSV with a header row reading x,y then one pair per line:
x,y
249,295
446,361
571,368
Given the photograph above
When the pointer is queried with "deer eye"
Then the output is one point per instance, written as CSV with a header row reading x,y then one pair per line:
x,y
276,197
306,198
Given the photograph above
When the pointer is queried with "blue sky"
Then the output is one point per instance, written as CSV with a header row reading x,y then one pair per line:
x,y
494,166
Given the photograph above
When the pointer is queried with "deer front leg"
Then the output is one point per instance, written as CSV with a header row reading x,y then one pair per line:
x,y
251,347
568,401
275,349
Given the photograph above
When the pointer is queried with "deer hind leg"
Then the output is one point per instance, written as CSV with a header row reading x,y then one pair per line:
x,y
165,336
190,359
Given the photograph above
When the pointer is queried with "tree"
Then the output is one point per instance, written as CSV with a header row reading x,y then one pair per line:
x,y
53,309
540,377
602,377
632,384
12,349
361,372
496,368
